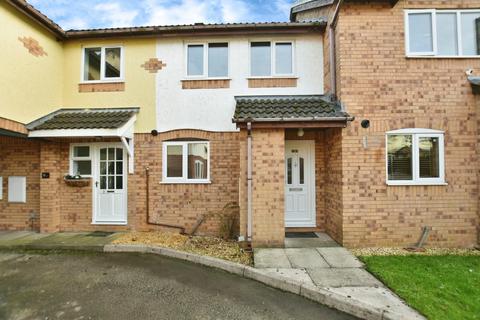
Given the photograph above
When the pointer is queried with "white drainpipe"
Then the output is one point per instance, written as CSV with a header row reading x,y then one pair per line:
x,y
249,181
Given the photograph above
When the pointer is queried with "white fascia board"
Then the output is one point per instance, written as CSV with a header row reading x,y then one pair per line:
x,y
60,133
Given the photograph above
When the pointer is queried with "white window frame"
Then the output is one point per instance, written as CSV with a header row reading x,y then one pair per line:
x,y
434,53
273,47
184,178
73,158
102,65
416,134
1,188
205,61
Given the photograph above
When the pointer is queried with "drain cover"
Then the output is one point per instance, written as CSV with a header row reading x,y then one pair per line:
x,y
100,234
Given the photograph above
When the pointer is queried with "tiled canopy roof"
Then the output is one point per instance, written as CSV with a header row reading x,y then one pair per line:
x,y
287,108
84,119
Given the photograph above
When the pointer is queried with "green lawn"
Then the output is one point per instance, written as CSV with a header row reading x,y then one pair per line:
x,y
440,287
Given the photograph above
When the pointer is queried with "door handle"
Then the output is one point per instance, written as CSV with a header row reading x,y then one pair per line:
x,y
96,184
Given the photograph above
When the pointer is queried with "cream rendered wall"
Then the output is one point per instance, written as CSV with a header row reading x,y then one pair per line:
x,y
139,83
212,109
30,86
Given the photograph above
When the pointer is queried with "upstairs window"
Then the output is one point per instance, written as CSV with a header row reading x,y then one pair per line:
x,y
186,161
207,60
102,64
415,156
271,59
443,33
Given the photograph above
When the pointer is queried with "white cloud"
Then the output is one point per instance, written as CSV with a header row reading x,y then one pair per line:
x,y
113,15
234,11
185,12
74,23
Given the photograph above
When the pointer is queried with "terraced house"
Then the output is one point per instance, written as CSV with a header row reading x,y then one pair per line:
x,y
359,118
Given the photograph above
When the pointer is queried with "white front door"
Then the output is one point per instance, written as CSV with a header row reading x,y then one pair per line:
x,y
300,183
110,187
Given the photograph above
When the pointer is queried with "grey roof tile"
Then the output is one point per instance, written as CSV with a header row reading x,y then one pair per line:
x,y
286,108
84,119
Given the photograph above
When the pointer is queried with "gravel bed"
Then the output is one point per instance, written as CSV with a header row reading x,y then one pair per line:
x,y
209,246
403,252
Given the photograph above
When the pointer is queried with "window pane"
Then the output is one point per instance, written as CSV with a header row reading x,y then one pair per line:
x,y
195,60
119,154
111,153
92,64
447,34
119,168
112,62
429,157
103,182
81,152
174,161
111,182
197,160
261,59
111,167
283,58
82,167
420,32
470,33
399,157
218,60
103,167
103,154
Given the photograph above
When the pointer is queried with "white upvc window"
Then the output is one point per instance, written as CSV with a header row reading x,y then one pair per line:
x,y
186,162
80,160
102,64
415,157
442,33
271,58
207,60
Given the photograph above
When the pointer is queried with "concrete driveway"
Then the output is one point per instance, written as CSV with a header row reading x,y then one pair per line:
x,y
134,286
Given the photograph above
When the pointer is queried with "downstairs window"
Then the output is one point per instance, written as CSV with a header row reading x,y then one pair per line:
x,y
415,157
186,161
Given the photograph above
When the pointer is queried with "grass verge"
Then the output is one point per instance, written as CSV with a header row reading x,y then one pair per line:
x,y
440,287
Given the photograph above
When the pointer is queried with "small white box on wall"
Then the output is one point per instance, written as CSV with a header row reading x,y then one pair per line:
x,y
17,189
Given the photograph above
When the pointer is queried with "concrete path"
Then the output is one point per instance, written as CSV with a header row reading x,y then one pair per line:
x,y
90,241
332,268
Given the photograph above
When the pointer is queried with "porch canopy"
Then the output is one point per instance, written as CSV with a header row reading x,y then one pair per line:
x,y
83,123
11,128
292,111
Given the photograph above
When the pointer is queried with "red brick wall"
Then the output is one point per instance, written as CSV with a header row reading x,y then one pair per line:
x,y
20,157
380,84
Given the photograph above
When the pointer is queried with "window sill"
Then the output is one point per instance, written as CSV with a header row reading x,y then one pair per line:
x,y
119,223
440,57
410,183
273,77
186,182
101,86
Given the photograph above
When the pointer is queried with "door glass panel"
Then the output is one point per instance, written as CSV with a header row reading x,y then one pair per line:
x,y
119,167
111,154
103,154
111,167
289,171
103,167
302,171
103,182
111,183
119,181
119,154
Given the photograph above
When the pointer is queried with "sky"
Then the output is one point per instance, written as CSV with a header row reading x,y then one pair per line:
x,y
85,14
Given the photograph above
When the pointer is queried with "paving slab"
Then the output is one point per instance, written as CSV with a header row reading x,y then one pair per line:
x,y
339,258
299,275
305,258
271,258
379,297
343,277
12,235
